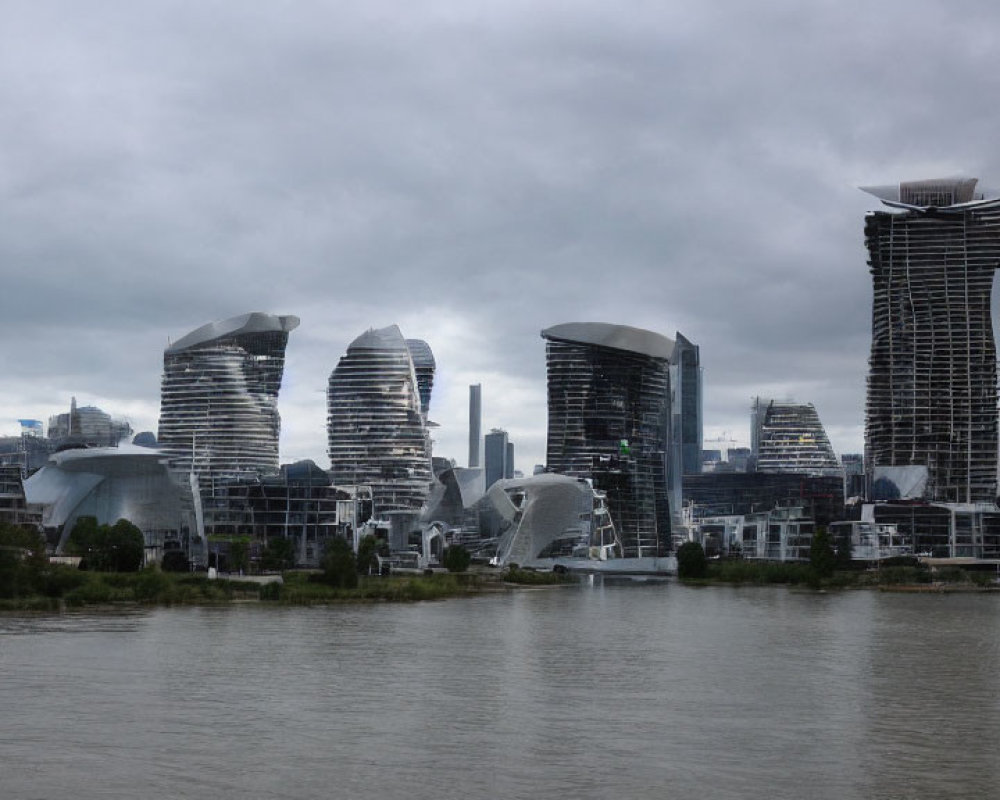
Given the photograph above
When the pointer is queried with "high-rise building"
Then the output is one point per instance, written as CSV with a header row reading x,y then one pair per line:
x,y
495,456
423,366
789,437
932,381
609,420
685,409
219,403
375,428
475,423
508,468
88,425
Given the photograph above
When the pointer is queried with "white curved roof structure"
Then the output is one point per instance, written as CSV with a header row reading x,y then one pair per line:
x,y
110,483
618,337
947,194
548,515
254,322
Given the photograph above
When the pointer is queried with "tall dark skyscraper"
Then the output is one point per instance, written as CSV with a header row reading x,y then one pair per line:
x,y
685,384
609,420
475,423
496,457
932,382
219,402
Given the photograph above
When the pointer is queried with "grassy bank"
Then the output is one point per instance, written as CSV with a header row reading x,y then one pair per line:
x,y
301,589
902,573
56,587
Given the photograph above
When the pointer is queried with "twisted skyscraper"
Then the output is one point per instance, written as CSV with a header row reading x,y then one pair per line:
x,y
219,403
932,384
375,428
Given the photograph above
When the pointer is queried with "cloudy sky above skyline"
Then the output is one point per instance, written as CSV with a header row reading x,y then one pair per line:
x,y
473,172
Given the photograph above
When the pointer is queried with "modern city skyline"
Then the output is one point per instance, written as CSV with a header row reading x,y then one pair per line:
x,y
932,383
608,421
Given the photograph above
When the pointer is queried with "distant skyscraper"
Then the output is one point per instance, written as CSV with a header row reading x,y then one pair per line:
x,y
475,422
932,382
685,386
788,437
219,402
375,428
508,469
609,418
496,456
88,425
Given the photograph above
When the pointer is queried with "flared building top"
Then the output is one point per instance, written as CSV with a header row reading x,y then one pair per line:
x,y
254,322
219,402
933,195
617,337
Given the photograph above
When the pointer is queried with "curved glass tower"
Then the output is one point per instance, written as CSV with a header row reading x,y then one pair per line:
x,y
375,429
932,381
423,367
219,403
609,420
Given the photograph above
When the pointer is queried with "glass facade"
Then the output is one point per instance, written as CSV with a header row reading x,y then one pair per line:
x,y
789,437
932,382
609,421
375,430
219,402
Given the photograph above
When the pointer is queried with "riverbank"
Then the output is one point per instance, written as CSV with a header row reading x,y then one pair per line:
x,y
911,576
57,587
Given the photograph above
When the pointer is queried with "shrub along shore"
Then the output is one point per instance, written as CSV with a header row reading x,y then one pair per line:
x,y
895,575
53,587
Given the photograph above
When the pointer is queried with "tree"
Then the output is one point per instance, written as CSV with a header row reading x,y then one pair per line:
x,y
369,548
175,561
127,546
338,565
691,561
107,548
456,558
278,555
23,562
81,539
822,559
239,555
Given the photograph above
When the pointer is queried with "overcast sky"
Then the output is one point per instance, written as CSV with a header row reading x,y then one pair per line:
x,y
473,172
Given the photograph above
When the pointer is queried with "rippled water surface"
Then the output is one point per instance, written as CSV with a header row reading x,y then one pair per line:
x,y
631,691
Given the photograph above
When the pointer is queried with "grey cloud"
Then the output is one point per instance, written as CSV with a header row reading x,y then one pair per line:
x,y
508,165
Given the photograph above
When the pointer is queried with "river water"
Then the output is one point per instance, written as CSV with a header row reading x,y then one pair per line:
x,y
648,690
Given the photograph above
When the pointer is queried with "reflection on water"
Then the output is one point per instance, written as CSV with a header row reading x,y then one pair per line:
x,y
646,690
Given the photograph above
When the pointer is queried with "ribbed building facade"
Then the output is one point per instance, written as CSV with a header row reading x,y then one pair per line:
x,y
932,382
423,367
609,421
789,437
375,429
219,403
